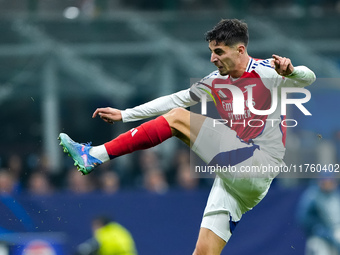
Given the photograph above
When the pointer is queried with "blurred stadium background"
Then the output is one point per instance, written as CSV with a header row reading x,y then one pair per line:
x,y
61,59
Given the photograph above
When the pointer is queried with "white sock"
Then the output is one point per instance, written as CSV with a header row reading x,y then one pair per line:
x,y
100,153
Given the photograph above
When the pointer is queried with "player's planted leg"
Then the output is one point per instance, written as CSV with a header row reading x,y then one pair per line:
x,y
208,243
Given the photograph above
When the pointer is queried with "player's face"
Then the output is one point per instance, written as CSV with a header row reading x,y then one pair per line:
x,y
328,185
225,58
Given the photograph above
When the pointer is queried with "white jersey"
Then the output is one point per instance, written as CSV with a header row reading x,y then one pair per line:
x,y
267,131
263,130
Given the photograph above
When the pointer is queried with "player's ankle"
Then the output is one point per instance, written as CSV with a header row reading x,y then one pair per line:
x,y
100,153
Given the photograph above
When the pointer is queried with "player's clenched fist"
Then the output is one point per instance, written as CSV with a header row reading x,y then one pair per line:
x,y
108,114
283,66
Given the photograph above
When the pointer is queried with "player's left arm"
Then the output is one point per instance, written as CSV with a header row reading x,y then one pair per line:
x,y
299,76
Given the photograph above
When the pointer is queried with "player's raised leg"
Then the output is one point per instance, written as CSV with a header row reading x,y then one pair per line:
x,y
149,134
185,124
80,152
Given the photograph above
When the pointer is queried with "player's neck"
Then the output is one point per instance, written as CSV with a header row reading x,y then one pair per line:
x,y
241,67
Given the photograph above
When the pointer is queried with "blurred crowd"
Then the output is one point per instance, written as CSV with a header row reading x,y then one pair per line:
x,y
32,175
149,170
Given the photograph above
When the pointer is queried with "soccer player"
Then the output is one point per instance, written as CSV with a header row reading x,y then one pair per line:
x,y
109,237
317,213
235,141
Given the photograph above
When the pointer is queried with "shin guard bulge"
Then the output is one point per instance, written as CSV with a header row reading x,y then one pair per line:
x,y
147,135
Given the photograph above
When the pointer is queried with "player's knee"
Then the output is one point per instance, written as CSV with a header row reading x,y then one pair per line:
x,y
177,117
177,113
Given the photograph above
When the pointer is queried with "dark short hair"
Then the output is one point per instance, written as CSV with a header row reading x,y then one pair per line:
x,y
230,32
102,219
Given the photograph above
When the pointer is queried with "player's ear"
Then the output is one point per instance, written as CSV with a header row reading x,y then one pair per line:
x,y
241,48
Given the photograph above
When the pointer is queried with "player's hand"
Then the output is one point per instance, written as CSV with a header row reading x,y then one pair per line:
x,y
108,114
283,66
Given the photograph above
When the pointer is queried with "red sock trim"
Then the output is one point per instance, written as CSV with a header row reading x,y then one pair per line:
x,y
145,136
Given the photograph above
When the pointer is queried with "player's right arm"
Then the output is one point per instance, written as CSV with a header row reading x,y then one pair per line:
x,y
159,106
155,107
184,98
108,114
